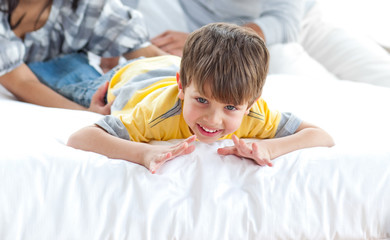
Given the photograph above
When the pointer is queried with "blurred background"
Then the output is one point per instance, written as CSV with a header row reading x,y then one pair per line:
x,y
371,18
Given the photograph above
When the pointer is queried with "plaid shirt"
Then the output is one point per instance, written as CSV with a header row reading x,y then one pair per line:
x,y
104,27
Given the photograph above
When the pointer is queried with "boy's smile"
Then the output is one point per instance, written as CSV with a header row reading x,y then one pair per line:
x,y
207,118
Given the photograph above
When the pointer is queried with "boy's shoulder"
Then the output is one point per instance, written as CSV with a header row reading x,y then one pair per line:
x,y
260,112
145,68
151,98
146,75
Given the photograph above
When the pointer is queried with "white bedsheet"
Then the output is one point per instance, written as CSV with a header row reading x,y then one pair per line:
x,y
51,191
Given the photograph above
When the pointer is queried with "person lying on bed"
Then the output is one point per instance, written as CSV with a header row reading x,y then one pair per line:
x,y
44,45
215,96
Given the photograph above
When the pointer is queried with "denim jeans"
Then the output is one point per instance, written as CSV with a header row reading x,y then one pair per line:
x,y
71,76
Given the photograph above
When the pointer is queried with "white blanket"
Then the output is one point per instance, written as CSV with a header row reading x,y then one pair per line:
x,y
51,191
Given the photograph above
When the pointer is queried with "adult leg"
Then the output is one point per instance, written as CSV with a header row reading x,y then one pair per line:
x,y
71,75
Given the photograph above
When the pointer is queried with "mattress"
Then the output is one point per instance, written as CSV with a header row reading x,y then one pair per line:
x,y
51,191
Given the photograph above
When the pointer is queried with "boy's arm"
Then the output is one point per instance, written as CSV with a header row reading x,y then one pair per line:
x,y
95,139
263,151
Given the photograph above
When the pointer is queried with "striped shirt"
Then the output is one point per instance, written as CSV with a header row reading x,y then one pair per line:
x,y
105,27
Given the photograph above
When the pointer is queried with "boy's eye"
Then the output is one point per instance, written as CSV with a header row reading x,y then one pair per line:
x,y
201,100
231,108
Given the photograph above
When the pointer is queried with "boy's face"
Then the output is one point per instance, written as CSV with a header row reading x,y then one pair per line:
x,y
207,118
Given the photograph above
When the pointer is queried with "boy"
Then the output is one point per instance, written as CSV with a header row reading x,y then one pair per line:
x,y
216,96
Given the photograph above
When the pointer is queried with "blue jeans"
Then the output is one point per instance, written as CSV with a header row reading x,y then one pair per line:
x,y
71,76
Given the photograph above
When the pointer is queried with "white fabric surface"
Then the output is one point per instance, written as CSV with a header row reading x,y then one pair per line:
x,y
51,191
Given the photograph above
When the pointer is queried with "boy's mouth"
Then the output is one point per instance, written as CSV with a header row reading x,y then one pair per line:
x,y
207,132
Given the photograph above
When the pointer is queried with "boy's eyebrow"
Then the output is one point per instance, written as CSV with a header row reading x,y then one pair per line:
x,y
197,92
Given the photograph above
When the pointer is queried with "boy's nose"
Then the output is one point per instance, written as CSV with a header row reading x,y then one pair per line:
x,y
213,118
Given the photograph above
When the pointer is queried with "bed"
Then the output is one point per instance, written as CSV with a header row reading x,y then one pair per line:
x,y
51,191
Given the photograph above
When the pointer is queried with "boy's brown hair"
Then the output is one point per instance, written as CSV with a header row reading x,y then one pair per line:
x,y
232,60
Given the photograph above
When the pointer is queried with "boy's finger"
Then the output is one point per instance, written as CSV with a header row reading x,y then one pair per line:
x,y
190,139
240,146
184,146
101,92
164,158
227,151
103,88
240,143
179,148
257,154
108,105
243,148
235,140
189,149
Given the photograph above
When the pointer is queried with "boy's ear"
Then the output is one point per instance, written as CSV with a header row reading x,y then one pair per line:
x,y
180,87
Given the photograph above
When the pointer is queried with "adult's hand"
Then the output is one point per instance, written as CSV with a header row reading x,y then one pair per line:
x,y
149,51
256,28
171,42
106,64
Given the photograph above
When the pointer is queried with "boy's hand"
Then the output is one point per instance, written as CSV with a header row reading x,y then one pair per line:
x,y
252,151
160,154
98,103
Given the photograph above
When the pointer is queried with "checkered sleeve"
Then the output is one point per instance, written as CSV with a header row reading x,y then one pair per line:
x,y
119,29
11,48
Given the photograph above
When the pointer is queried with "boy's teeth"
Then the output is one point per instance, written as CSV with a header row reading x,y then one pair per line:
x,y
209,130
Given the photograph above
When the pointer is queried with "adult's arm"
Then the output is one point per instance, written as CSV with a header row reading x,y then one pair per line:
x,y
149,51
280,20
22,82
119,30
106,64
277,21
